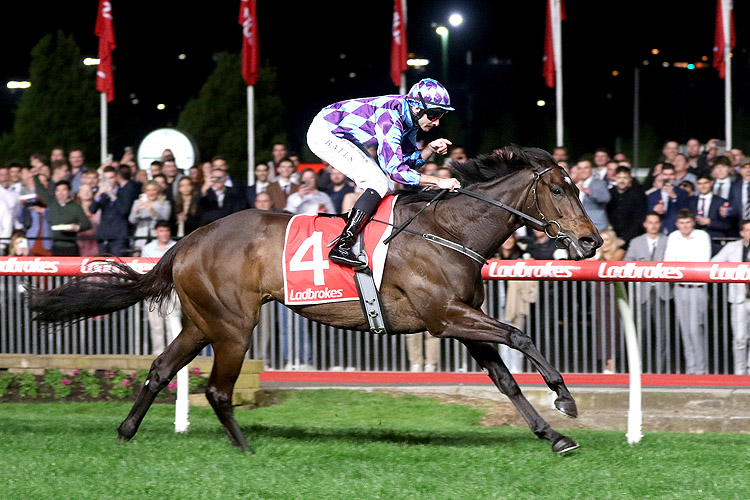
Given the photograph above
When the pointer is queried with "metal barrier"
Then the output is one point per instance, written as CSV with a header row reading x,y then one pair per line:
x,y
575,324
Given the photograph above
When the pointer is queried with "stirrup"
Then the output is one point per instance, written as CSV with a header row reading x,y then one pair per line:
x,y
354,263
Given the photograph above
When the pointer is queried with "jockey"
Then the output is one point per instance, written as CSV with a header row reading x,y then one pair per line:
x,y
339,132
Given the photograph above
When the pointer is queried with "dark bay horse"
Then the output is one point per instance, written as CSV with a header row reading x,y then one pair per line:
x,y
225,271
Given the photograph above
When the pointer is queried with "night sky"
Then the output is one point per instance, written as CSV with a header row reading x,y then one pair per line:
x,y
316,46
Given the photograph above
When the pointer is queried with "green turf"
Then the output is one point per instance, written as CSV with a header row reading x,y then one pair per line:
x,y
348,445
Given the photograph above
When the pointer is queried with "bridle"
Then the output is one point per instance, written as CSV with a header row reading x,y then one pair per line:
x,y
560,236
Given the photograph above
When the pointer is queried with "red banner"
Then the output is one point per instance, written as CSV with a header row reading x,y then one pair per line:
x,y
68,266
399,53
105,81
541,270
719,45
250,52
597,270
548,70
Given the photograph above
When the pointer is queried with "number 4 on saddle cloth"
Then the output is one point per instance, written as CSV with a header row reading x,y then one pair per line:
x,y
310,278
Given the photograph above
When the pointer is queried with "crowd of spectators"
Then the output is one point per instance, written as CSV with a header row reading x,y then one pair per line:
x,y
57,205
686,207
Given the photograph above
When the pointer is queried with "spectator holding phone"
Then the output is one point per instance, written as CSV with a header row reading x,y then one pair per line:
x,y
668,200
308,200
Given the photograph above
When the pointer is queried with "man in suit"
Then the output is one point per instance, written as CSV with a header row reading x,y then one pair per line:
x,y
652,297
668,200
114,198
260,186
280,189
739,298
594,194
710,213
722,174
217,200
739,198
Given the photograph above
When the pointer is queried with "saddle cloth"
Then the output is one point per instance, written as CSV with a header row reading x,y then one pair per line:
x,y
309,277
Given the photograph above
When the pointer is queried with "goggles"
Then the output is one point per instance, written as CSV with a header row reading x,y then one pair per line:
x,y
431,113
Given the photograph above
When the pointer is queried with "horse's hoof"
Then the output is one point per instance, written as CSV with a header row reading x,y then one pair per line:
x,y
567,407
564,445
125,432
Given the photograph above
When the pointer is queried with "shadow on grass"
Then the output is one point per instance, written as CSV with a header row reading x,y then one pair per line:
x,y
370,435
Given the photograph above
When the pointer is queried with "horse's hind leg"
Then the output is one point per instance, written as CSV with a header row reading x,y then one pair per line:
x,y
467,324
488,357
179,353
228,358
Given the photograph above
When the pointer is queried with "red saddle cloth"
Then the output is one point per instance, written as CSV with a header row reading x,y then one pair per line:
x,y
309,277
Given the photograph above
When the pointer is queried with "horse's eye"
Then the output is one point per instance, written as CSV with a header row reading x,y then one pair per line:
x,y
557,191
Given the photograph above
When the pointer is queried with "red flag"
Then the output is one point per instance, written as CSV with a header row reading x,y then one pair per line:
x,y
719,46
250,53
105,81
548,70
398,42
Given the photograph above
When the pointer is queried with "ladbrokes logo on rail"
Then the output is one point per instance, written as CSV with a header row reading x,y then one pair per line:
x,y
37,266
631,270
105,266
739,273
525,269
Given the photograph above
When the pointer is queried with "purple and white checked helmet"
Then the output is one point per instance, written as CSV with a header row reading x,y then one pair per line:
x,y
433,93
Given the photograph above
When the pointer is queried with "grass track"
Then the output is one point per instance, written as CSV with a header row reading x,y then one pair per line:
x,y
348,445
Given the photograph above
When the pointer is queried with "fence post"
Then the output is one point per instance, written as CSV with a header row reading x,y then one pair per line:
x,y
635,414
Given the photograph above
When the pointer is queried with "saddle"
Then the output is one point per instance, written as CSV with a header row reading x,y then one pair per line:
x,y
310,278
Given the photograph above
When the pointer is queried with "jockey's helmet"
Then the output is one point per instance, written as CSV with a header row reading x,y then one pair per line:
x,y
428,93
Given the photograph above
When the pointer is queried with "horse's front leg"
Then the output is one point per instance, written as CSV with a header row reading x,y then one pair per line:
x,y
465,323
488,358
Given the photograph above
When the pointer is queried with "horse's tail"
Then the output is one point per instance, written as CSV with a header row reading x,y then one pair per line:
x,y
104,292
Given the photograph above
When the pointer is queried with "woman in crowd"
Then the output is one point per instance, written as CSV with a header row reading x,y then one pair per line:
x,y
151,206
185,216
88,247
196,175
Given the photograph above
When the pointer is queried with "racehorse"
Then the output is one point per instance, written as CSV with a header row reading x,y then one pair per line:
x,y
225,271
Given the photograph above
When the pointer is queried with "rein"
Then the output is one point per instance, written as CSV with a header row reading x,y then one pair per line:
x,y
544,223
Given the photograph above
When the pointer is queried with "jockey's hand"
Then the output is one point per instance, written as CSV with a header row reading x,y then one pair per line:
x,y
440,146
450,184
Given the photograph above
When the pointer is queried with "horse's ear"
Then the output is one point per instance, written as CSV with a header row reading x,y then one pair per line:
x,y
505,153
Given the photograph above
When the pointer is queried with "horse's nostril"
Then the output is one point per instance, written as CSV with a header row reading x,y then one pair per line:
x,y
588,242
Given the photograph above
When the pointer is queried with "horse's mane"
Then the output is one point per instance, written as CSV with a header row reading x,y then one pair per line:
x,y
486,168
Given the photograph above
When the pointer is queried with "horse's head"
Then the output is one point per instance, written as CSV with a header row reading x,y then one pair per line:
x,y
544,193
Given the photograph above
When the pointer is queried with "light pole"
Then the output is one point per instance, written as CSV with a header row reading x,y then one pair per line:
x,y
454,20
443,32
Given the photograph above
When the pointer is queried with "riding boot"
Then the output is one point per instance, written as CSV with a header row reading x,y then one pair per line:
x,y
363,209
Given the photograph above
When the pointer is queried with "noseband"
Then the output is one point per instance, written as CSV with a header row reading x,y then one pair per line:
x,y
542,222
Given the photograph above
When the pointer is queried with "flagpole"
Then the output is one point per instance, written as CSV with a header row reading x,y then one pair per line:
x,y
402,87
557,48
727,32
103,126
250,135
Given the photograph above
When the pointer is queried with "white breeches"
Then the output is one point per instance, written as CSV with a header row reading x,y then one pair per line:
x,y
347,158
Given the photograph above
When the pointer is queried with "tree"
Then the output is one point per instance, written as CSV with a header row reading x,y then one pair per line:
x,y
217,118
61,106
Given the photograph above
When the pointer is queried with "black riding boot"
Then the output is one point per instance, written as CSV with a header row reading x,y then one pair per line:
x,y
363,209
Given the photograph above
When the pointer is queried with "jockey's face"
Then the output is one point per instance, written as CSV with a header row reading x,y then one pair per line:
x,y
424,122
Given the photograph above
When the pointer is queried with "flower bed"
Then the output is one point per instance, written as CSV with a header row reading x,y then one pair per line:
x,y
82,385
